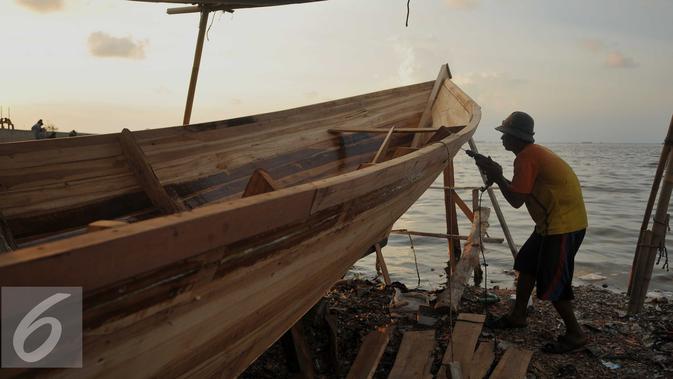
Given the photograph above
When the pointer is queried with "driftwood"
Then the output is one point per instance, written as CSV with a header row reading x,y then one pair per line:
x,y
451,296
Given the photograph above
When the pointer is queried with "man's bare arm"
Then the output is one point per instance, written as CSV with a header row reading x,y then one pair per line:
x,y
515,199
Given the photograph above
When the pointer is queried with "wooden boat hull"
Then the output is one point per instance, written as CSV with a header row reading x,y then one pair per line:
x,y
203,293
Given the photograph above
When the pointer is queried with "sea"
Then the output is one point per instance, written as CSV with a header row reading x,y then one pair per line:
x,y
616,181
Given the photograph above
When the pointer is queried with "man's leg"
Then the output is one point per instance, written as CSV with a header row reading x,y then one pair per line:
x,y
574,333
524,287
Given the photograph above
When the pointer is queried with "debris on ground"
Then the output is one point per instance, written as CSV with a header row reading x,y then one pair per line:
x,y
619,345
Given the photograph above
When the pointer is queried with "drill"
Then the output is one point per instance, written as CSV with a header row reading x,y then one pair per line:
x,y
480,158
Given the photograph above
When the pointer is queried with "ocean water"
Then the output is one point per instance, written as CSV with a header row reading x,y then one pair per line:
x,y
616,181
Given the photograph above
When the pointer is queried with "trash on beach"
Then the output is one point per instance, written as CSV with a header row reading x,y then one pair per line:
x,y
610,365
592,277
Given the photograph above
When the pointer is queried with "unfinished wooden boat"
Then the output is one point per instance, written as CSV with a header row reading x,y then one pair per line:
x,y
205,290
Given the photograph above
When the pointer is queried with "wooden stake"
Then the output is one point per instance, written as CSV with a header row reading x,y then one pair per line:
x,y
384,147
451,217
195,68
665,151
382,264
496,207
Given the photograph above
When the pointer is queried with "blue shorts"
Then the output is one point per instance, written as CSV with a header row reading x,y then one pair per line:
x,y
551,260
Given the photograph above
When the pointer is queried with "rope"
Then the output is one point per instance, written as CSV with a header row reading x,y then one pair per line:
x,y
209,26
663,252
418,274
407,22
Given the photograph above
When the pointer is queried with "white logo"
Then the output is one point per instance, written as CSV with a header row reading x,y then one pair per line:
x,y
31,322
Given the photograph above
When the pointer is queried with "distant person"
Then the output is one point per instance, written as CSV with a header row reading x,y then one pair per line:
x,y
552,194
73,133
38,130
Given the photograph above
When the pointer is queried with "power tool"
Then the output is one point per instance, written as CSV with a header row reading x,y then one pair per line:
x,y
480,158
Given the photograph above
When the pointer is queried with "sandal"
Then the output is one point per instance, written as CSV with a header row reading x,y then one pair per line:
x,y
503,322
563,345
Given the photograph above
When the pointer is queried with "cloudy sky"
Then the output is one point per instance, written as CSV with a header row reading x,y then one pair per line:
x,y
598,70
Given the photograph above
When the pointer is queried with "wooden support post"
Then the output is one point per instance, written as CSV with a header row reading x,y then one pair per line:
x,y
148,180
297,351
451,217
665,151
496,207
381,263
195,67
646,253
451,296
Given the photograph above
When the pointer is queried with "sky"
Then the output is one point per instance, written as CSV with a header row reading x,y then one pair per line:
x,y
598,70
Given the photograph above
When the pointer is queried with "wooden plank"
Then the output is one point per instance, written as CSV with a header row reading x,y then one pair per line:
x,y
482,360
105,224
426,118
387,130
203,21
369,355
463,207
260,182
451,296
463,341
513,364
146,176
414,357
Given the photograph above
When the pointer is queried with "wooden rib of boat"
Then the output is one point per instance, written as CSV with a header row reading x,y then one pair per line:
x,y
204,279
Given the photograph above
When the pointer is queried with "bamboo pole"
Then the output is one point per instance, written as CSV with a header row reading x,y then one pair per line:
x,y
665,150
197,63
646,252
496,207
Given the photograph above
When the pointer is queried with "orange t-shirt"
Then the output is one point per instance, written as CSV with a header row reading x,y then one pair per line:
x,y
555,202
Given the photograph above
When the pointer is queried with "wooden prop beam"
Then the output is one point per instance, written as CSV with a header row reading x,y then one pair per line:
x,y
451,296
414,359
381,263
195,67
513,364
665,151
145,175
496,207
369,355
646,252
426,117
383,130
444,235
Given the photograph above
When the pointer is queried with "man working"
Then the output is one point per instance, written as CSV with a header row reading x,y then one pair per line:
x,y
551,191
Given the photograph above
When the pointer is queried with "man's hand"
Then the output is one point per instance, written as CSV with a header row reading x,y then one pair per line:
x,y
490,168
